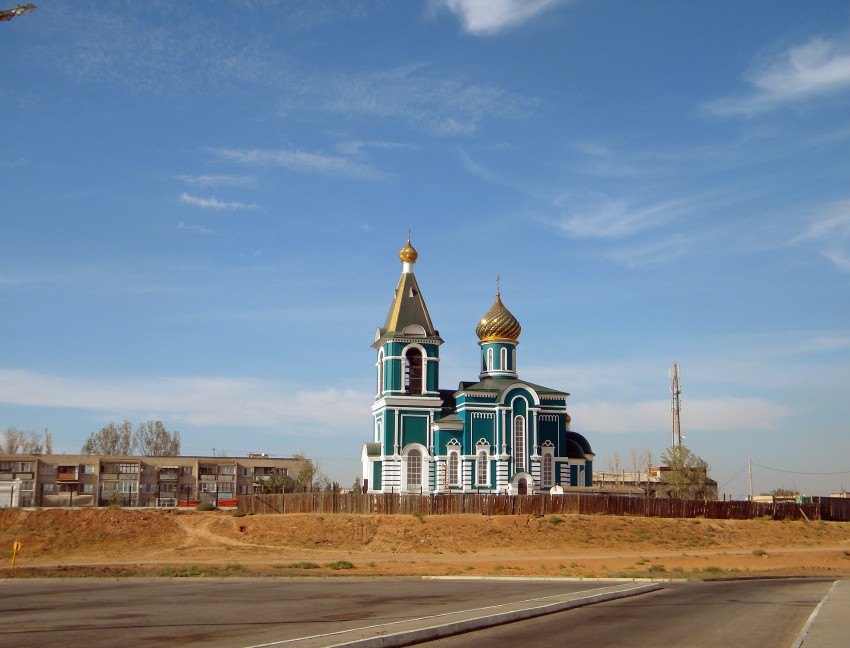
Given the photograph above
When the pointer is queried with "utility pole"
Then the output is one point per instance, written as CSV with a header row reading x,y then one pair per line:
x,y
676,390
750,468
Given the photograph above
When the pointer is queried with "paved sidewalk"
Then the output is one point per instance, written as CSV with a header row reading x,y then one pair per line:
x,y
829,625
444,625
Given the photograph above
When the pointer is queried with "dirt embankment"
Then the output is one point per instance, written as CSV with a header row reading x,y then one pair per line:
x,y
151,541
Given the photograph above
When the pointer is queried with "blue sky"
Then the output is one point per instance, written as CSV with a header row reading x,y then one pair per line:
x,y
203,205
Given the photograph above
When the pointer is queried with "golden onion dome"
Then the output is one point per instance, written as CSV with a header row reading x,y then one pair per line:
x,y
498,324
408,253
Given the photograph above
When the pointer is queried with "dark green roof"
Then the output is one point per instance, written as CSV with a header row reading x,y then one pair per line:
x,y
500,384
451,418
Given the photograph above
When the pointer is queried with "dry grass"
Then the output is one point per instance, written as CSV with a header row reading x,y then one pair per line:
x,y
161,542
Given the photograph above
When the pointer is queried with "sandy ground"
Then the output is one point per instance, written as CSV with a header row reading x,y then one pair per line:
x,y
163,542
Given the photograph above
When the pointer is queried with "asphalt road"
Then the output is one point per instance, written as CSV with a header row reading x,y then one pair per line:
x,y
229,613
733,614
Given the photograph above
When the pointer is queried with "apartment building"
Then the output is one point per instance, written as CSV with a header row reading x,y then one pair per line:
x,y
94,480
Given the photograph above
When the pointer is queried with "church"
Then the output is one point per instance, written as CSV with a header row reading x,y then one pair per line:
x,y
499,434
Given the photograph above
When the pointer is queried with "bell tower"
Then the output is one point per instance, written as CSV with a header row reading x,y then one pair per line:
x,y
407,395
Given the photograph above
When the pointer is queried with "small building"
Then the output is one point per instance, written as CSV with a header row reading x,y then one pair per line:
x,y
649,483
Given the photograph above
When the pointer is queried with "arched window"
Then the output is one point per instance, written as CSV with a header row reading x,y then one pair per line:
x,y
413,371
378,429
547,470
380,372
519,444
503,359
414,469
482,475
489,366
454,469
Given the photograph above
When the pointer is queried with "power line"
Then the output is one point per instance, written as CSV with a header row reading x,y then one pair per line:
x,y
732,478
798,472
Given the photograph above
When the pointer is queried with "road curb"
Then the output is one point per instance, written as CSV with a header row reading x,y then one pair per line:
x,y
431,633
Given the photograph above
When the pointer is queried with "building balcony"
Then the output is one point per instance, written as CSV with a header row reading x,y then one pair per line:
x,y
67,476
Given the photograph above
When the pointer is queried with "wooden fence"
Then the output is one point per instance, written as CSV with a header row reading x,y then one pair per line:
x,y
570,503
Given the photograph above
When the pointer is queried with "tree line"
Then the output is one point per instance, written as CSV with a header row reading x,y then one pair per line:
x,y
15,441
150,438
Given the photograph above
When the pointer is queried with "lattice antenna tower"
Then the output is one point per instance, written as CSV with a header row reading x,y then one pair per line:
x,y
676,391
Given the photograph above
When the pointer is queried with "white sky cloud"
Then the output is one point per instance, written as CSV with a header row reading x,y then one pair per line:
x,y
218,180
214,203
299,161
611,218
414,95
727,413
485,17
193,401
831,230
819,67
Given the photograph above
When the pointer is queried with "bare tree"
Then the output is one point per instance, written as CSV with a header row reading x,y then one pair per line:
x,y
310,476
10,442
153,440
641,464
614,466
15,441
111,440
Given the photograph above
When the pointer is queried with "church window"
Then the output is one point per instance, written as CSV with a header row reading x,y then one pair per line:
x,y
481,464
413,371
489,366
414,469
454,468
378,430
503,358
519,444
380,372
547,470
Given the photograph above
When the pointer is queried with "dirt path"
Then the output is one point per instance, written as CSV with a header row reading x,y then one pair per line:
x,y
144,539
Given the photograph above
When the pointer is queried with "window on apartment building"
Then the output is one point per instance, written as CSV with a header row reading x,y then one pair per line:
x,y
186,470
47,488
87,488
46,469
27,485
243,471
126,486
88,469
6,466
128,468
23,466
227,470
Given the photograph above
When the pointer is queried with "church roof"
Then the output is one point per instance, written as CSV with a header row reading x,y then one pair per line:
x,y
408,307
408,315
498,324
500,384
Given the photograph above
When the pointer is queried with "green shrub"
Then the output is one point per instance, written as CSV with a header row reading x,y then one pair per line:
x,y
340,564
205,506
